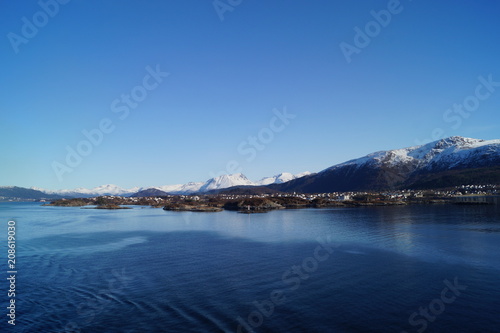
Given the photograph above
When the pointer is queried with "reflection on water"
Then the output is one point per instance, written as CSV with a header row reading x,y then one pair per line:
x,y
148,270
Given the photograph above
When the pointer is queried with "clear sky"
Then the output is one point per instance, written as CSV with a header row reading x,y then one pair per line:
x,y
344,84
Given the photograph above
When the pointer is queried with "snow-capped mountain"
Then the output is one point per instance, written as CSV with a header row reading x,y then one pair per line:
x,y
81,192
448,162
191,187
226,181
447,153
302,174
281,178
217,183
442,163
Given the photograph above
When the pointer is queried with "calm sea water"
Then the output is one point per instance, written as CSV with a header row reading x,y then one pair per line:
x,y
386,269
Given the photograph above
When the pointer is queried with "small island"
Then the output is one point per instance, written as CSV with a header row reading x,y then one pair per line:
x,y
98,202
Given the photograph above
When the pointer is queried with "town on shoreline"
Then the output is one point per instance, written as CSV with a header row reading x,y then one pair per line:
x,y
257,203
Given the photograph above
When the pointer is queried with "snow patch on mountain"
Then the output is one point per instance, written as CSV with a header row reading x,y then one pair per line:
x,y
188,188
303,174
281,178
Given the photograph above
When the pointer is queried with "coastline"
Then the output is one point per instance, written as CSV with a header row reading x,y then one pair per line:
x,y
255,204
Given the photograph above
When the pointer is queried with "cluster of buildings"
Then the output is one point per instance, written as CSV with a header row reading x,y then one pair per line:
x,y
463,193
396,195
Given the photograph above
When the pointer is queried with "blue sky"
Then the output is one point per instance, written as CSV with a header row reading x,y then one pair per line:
x,y
228,79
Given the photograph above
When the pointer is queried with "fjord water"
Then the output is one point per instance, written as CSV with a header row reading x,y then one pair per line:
x,y
149,270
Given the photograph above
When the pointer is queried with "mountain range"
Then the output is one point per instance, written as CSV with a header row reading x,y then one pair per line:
x,y
444,163
81,192
213,184
16,193
218,183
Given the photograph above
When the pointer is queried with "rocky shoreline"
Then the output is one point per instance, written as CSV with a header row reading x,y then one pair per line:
x,y
243,204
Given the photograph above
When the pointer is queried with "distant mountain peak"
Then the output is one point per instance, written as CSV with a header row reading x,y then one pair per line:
x,y
225,181
281,178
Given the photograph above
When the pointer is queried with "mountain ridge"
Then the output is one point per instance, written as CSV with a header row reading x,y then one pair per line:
x,y
212,184
448,162
405,167
22,193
